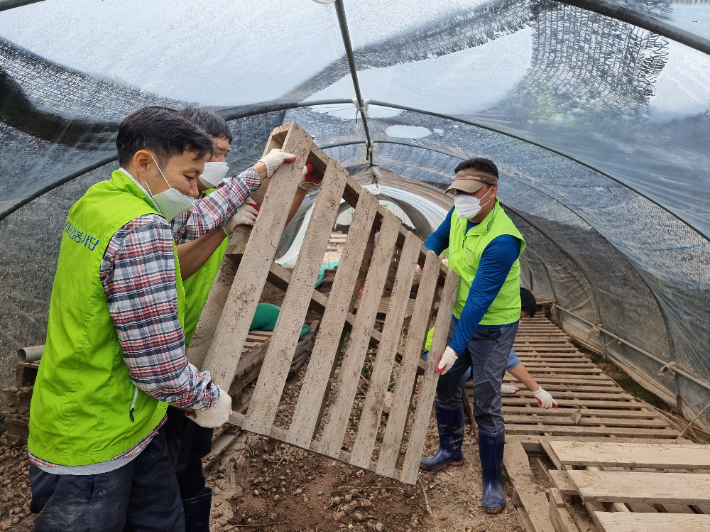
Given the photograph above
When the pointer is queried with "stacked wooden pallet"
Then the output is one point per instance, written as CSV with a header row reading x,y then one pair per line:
x,y
590,403
650,487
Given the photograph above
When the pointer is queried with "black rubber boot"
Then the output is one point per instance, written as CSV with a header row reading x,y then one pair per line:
x,y
491,445
451,431
197,512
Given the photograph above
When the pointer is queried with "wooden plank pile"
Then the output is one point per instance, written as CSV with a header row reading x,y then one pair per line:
x,y
590,403
652,487
343,338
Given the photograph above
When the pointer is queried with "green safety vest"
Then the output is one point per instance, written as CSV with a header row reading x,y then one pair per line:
x,y
465,251
80,411
198,285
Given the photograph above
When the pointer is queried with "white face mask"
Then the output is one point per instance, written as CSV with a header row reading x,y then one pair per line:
x,y
469,206
171,202
214,173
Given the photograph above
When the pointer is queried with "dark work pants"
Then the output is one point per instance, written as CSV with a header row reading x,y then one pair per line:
x,y
188,444
486,354
141,496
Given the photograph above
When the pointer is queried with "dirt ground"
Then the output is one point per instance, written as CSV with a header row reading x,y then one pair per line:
x,y
273,486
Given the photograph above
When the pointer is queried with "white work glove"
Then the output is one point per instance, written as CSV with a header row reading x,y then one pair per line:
x,y
274,159
508,389
245,215
447,360
216,415
544,399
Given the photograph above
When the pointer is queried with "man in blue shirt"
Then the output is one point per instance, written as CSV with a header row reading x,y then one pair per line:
x,y
484,246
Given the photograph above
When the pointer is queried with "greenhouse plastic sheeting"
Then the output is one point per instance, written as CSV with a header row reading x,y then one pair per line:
x,y
599,128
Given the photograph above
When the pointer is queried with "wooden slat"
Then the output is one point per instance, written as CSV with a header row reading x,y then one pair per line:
x,y
632,455
219,292
396,421
559,515
531,494
422,415
351,366
248,284
562,482
631,486
653,522
382,367
574,430
325,352
554,412
509,400
586,421
278,358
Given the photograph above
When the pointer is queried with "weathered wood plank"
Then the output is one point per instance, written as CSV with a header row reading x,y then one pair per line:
x,y
631,486
351,366
382,367
574,430
511,400
554,412
324,353
585,421
422,415
632,455
559,515
248,284
394,431
531,494
653,522
219,292
277,361
562,481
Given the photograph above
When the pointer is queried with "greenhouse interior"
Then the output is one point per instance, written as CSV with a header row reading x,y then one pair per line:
x,y
596,112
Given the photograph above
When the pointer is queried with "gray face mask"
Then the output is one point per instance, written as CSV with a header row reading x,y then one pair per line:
x,y
171,203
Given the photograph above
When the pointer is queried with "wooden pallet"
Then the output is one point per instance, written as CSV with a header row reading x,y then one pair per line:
x,y
649,497
590,403
249,265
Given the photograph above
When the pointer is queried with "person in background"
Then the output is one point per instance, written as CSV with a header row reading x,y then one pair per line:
x,y
513,366
484,247
114,357
201,258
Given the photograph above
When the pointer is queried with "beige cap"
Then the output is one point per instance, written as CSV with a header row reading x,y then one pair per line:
x,y
470,180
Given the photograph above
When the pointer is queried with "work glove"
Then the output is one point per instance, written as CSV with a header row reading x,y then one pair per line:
x,y
245,215
447,360
508,389
310,179
216,415
274,159
544,399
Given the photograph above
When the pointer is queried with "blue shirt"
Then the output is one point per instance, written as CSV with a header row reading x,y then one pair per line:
x,y
497,260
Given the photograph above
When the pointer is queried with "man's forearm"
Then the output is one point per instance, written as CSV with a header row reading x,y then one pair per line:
x,y
194,254
520,372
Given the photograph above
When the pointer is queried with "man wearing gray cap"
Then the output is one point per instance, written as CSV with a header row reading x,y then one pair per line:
x,y
484,247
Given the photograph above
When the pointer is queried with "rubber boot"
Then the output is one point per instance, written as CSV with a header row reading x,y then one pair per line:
x,y
197,511
491,444
451,431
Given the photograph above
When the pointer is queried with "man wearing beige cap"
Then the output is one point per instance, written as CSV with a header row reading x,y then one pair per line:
x,y
484,247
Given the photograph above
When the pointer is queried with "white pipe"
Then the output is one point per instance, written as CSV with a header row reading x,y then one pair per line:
x,y
30,354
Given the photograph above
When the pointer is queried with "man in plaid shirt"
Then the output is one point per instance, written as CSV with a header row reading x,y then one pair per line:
x,y
115,349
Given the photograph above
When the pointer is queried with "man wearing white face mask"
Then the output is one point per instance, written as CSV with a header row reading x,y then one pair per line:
x,y
484,246
115,348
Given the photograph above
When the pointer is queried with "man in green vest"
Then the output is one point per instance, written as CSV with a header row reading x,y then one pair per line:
x,y
187,441
115,349
484,247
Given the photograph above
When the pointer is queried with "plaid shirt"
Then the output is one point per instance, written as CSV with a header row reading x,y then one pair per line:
x,y
138,276
214,210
